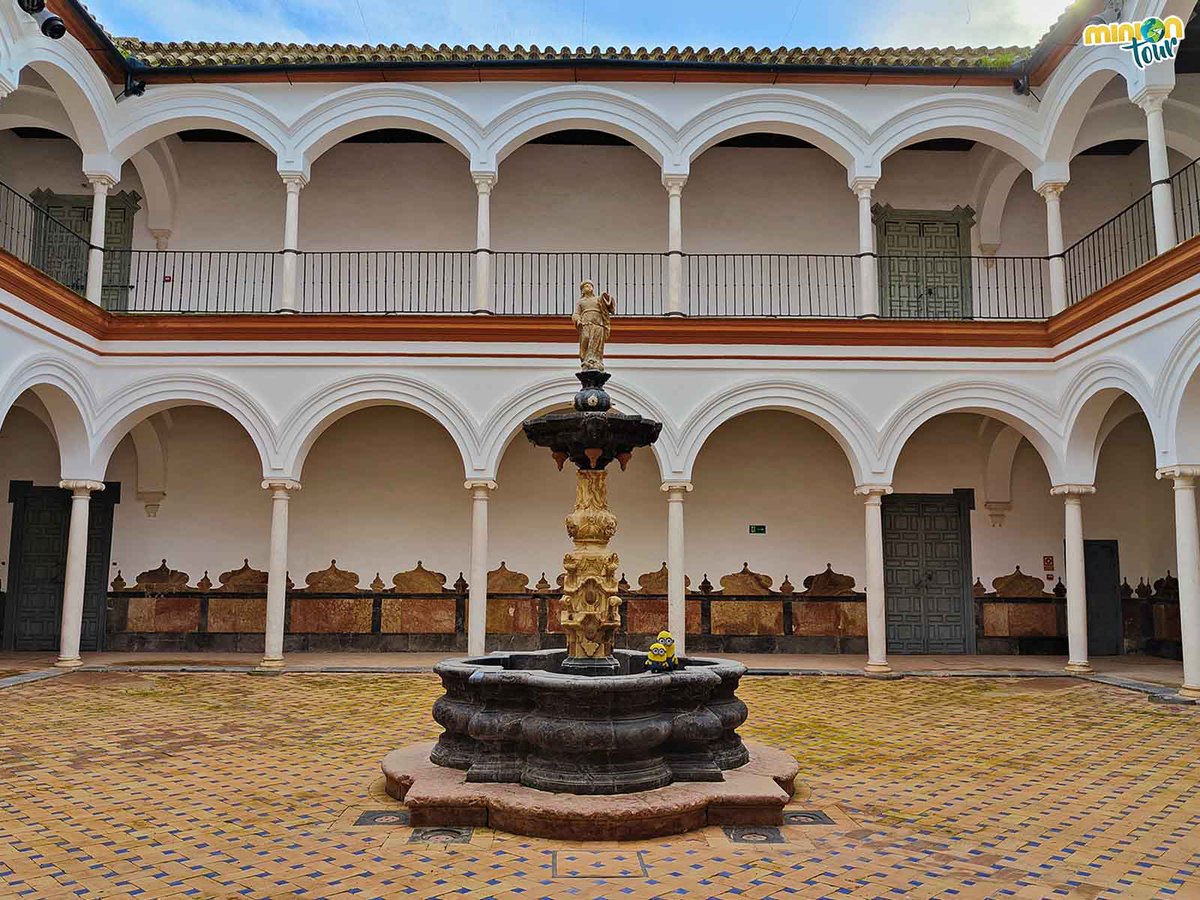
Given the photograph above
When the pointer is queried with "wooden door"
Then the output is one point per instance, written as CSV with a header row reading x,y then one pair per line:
x,y
38,556
924,264
926,556
1102,581
75,211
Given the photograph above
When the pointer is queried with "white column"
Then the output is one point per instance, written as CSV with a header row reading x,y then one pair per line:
x,y
1077,636
1160,171
294,183
1187,559
74,582
876,604
484,182
477,596
101,185
674,185
277,569
868,268
676,570
1052,193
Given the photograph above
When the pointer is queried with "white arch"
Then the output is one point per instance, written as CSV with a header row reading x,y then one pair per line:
x,y
160,184
1087,403
67,397
328,403
559,108
367,107
844,422
1120,120
1001,454
1003,124
82,90
503,423
810,118
160,114
1025,412
1177,400
35,107
1072,90
996,179
138,401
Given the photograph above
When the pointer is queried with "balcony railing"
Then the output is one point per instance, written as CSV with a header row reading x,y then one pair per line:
x,y
546,283
35,237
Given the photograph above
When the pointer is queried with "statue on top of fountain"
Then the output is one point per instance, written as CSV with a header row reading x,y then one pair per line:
x,y
593,319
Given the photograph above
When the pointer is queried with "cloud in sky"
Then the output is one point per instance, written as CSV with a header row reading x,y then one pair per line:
x,y
604,22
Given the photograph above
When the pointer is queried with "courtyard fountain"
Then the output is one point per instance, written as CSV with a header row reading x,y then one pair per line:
x,y
527,733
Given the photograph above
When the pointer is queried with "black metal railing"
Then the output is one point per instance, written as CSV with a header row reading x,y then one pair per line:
x,y
385,281
1185,189
35,237
191,281
1116,248
963,287
547,284
770,284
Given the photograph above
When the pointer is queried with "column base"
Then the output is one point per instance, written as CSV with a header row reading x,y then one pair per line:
x,y
877,669
869,316
675,314
271,664
287,309
1191,691
73,663
1077,668
482,312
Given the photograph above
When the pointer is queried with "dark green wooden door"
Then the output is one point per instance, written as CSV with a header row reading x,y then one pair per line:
x,y
59,261
37,558
926,558
924,264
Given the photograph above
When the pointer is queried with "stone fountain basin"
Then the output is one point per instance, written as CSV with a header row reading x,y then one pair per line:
x,y
516,718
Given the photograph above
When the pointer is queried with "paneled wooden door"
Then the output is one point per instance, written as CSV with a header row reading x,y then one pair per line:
x,y
924,265
927,573
37,564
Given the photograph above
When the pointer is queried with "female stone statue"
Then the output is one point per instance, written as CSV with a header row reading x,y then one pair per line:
x,y
593,319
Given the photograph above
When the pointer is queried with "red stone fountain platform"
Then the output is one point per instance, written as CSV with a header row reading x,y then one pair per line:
x,y
753,794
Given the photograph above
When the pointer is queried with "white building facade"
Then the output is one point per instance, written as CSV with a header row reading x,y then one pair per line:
x,y
921,336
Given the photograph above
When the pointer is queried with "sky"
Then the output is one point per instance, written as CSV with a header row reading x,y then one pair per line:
x,y
712,23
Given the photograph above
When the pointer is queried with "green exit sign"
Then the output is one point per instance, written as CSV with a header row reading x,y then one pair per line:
x,y
758,529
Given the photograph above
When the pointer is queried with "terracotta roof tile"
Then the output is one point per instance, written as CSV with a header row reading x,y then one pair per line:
x,y
205,54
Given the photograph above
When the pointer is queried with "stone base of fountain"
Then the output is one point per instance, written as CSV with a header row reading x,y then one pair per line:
x,y
754,794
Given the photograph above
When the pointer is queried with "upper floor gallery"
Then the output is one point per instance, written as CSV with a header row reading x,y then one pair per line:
x,y
961,184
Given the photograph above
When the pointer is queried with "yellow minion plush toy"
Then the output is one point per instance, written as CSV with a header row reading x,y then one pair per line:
x,y
657,660
673,663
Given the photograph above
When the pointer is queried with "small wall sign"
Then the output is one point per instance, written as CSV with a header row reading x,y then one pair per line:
x,y
758,529
1048,563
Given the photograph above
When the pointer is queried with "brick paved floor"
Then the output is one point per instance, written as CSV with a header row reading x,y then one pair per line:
x,y
122,784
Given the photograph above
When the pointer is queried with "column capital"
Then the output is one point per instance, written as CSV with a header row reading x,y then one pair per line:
x,y
162,238
674,183
480,485
101,180
1151,98
1072,490
280,484
80,486
485,181
1051,190
294,181
872,490
676,488
862,186
1179,473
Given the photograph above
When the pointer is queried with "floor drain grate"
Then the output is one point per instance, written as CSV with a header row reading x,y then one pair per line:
x,y
445,835
806,817
754,834
383,817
